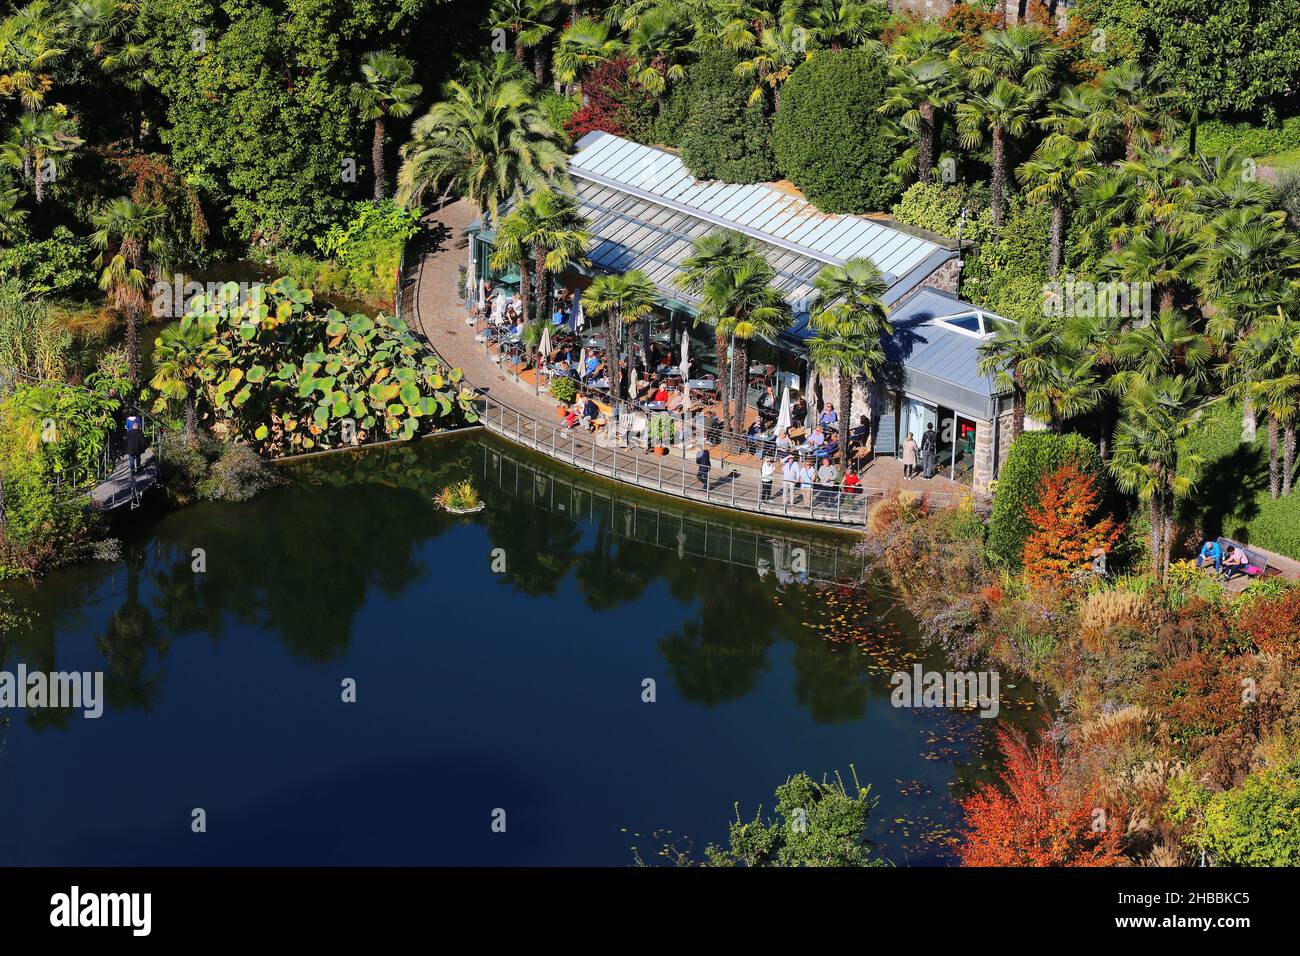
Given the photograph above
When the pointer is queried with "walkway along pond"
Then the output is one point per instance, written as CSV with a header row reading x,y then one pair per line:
x,y
499,661
428,302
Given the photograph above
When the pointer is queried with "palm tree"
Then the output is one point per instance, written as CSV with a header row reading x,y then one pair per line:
x,y
659,45
711,254
386,91
838,23
1152,459
531,22
585,43
1068,386
29,50
1167,259
1169,345
778,51
623,299
126,233
1056,169
485,142
548,226
1019,356
1264,367
921,90
36,143
1109,203
1132,101
1005,112
11,216
183,360
1249,257
849,321
742,303
1024,56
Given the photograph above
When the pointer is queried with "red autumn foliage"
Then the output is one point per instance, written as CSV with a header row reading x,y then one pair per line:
x,y
1035,822
970,22
1197,698
1273,623
1064,536
604,90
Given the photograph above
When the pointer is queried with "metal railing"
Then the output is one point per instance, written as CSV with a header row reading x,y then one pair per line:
x,y
624,456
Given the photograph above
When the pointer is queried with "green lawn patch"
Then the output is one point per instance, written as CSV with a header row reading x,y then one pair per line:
x,y
1232,496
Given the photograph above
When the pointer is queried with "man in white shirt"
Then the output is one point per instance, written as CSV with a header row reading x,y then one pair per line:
x,y
789,476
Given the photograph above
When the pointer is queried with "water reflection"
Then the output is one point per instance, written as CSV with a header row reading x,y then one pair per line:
x,y
349,567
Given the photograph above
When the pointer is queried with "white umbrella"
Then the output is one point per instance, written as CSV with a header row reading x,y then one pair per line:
x,y
783,417
482,294
544,346
579,320
582,363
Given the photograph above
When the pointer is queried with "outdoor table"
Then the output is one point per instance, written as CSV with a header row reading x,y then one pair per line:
x,y
702,384
656,406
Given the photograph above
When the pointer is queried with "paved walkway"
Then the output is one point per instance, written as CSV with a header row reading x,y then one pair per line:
x,y
512,408
121,487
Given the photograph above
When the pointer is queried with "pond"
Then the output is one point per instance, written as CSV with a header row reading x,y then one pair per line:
x,y
499,662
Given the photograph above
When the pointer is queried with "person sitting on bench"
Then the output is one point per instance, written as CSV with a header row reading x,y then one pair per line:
x,y
1210,551
1235,563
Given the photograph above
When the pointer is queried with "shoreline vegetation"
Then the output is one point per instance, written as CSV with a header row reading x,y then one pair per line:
x,y
134,148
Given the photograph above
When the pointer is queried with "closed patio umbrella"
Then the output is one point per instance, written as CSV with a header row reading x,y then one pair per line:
x,y
809,392
783,417
579,320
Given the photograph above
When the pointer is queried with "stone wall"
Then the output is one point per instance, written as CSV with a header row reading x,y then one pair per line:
x,y
946,278
982,473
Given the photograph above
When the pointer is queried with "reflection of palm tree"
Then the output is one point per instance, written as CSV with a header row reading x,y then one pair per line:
x,y
130,635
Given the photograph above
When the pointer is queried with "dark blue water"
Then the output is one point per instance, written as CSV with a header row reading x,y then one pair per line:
x,y
476,690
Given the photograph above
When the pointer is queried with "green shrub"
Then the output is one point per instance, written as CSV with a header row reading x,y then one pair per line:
x,y
1250,139
360,259
1009,270
1033,456
828,135
558,109
1255,823
1286,193
183,465
937,207
720,136
238,475
58,266
563,389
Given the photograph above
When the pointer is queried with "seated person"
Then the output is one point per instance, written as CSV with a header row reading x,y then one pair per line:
x,y
574,413
828,450
590,413
817,438
860,431
1211,552
558,317
852,483
752,434
662,394
1235,563
590,367
829,416
783,443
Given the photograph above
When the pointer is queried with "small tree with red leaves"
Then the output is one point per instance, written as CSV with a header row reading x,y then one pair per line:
x,y
1036,822
1065,536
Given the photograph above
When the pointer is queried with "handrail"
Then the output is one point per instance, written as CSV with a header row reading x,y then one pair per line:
x,y
822,503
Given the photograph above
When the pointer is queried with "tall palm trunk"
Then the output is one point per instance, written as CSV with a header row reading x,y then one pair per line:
x,y
133,346
925,136
1166,297
999,175
191,423
1249,424
1058,236
740,376
377,159
1288,457
846,413
543,309
720,343
613,340
525,286
1017,410
1167,539
1274,476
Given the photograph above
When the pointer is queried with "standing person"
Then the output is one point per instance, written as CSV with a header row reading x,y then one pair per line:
x,y
909,457
702,464
135,443
789,475
807,476
929,446
765,477
828,478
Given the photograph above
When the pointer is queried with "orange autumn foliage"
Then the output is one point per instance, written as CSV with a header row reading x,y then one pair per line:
x,y
1035,822
1064,539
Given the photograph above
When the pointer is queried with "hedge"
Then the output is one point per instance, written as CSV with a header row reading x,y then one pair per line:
x,y
720,136
1249,139
829,137
1032,457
